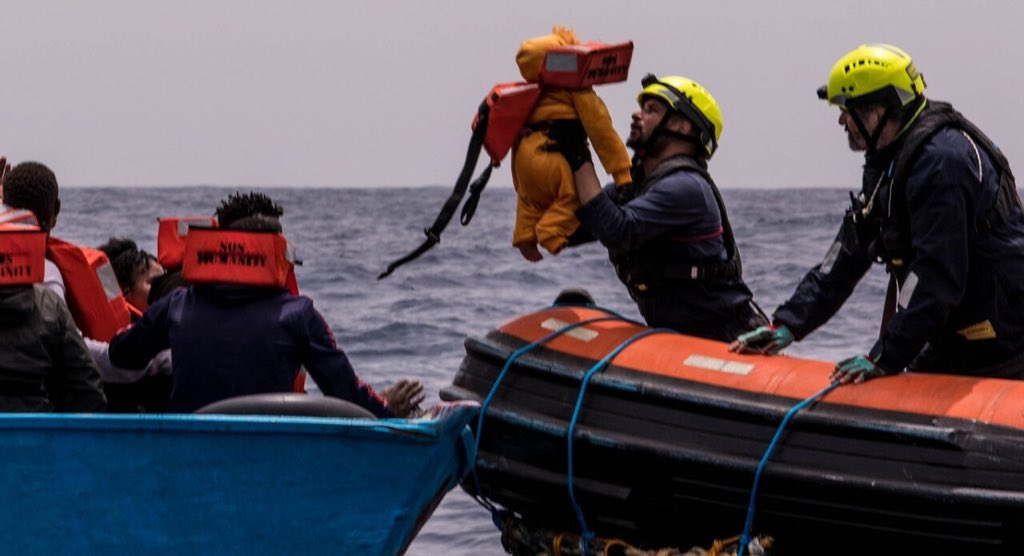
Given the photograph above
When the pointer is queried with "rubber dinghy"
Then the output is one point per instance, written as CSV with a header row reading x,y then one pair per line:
x,y
227,484
668,436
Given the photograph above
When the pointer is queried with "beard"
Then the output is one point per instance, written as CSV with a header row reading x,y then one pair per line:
x,y
634,140
856,142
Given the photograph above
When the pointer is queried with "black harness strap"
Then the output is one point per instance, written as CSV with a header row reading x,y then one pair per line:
x,y
461,184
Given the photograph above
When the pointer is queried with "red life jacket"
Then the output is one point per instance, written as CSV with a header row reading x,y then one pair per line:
x,y
91,289
22,254
170,238
576,66
510,106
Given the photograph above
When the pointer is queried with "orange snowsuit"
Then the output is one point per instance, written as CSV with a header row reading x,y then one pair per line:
x,y
547,201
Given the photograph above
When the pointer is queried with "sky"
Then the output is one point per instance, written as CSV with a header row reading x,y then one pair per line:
x,y
351,93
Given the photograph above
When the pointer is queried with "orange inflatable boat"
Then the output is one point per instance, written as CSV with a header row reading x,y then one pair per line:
x,y
668,431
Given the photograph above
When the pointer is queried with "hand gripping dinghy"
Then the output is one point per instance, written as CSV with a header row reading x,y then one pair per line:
x,y
591,422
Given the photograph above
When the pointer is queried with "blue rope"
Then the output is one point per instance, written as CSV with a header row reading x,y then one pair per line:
x,y
504,371
745,536
586,535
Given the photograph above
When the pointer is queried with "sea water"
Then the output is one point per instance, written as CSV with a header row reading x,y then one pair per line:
x,y
413,323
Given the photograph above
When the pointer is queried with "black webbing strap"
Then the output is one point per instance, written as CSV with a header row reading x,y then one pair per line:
x,y
448,210
475,188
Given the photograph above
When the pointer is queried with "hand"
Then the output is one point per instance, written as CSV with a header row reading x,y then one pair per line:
x,y
571,142
767,340
404,397
530,252
856,369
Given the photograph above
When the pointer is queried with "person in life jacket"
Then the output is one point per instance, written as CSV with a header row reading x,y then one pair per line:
x,y
238,330
44,364
543,182
80,275
668,233
939,208
129,391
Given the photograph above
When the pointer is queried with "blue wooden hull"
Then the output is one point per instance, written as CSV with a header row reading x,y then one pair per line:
x,y
218,484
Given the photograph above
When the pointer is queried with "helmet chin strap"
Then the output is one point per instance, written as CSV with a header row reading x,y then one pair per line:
x,y
660,130
871,139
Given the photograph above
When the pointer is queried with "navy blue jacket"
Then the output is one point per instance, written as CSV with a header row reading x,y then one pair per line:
x,y
659,228
961,299
229,340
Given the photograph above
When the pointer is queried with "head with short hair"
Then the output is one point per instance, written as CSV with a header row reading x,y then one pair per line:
x,y
33,186
257,223
128,261
239,206
135,269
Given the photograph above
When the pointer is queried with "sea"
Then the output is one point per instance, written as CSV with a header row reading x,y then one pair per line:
x,y
413,323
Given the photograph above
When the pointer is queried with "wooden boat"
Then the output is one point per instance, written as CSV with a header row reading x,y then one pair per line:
x,y
669,434
226,484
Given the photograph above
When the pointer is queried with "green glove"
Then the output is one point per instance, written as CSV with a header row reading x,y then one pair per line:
x,y
768,340
856,369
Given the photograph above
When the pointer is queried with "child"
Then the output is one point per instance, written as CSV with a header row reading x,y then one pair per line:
x,y
544,184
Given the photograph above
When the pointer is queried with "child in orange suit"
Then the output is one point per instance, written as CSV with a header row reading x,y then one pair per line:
x,y
547,201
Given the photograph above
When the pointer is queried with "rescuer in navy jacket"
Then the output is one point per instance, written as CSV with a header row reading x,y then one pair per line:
x,y
938,206
667,233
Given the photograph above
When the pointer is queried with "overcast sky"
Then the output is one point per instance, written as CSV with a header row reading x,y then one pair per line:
x,y
381,93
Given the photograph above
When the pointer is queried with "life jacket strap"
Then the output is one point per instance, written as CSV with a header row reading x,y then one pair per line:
x,y
701,237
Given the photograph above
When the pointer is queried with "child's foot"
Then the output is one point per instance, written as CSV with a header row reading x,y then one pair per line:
x,y
530,252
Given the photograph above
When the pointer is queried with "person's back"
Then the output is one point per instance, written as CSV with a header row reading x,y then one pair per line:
x,y
78,274
238,330
44,364
230,340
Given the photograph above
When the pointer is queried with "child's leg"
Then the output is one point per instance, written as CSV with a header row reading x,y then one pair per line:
x,y
559,220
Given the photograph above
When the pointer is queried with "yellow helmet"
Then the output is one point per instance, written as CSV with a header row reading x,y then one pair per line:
x,y
873,73
687,97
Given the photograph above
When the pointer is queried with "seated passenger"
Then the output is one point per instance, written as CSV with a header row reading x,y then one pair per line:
x,y
44,364
129,391
230,337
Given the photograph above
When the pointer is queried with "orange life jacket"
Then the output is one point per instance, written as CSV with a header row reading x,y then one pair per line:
x,y
91,289
170,238
252,258
576,66
22,254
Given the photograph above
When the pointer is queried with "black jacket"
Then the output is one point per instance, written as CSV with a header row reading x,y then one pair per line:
x,y
44,364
